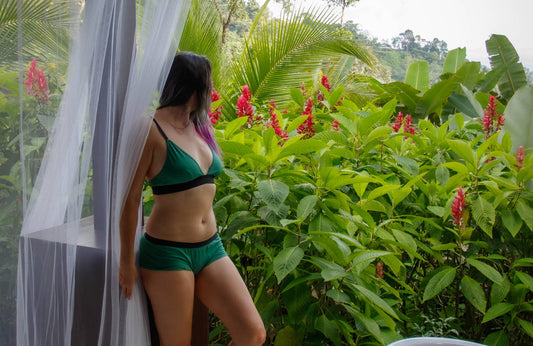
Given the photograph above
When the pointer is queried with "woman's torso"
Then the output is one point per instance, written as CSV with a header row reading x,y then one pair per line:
x,y
184,216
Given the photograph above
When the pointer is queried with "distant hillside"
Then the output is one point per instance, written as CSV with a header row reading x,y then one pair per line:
x,y
404,49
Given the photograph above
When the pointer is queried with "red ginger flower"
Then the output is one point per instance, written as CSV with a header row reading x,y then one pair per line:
x,y
36,83
244,105
335,125
492,121
379,270
458,207
407,123
398,123
520,156
325,82
408,128
307,127
214,114
274,122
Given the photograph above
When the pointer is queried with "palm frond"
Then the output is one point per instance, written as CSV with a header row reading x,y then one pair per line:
x,y
202,34
44,25
281,54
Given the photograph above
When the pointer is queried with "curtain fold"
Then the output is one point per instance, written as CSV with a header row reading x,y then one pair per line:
x,y
67,283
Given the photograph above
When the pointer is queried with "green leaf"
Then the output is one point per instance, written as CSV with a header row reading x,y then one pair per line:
x,y
301,147
374,299
484,214
439,211
467,103
511,221
523,262
454,60
485,269
367,322
273,193
366,256
442,175
433,99
526,279
230,147
306,206
499,292
501,51
519,119
333,272
410,165
380,132
490,80
380,191
468,74
297,96
417,75
287,336
526,326
497,310
405,94
438,282
286,261
474,293
497,339
233,126
405,239
463,149
526,213
327,327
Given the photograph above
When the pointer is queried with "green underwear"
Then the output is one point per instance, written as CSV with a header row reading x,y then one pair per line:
x,y
160,254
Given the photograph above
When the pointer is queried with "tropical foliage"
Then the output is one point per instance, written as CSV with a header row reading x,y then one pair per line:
x,y
407,215
43,33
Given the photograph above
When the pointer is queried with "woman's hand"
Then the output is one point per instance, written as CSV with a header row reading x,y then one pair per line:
x,y
127,275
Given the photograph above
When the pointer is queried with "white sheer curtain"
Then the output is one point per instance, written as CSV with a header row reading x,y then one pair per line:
x,y
102,55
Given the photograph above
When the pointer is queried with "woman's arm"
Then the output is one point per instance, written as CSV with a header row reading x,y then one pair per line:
x,y
128,221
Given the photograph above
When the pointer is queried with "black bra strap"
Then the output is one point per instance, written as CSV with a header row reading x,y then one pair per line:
x,y
160,129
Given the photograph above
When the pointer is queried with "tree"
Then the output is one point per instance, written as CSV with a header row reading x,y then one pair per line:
x,y
343,4
229,10
43,26
281,53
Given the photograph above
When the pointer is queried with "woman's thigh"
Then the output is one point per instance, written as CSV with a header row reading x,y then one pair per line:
x,y
171,294
221,288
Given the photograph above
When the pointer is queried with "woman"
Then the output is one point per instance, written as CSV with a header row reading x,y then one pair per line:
x,y
180,254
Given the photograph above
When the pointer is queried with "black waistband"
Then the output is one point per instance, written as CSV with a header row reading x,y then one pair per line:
x,y
178,243
164,189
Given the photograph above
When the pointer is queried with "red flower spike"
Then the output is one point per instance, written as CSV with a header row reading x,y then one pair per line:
x,y
244,105
379,270
398,123
307,127
273,122
492,121
214,114
36,83
335,125
325,82
520,156
408,128
458,207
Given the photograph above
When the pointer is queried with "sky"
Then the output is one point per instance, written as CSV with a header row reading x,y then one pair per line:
x,y
460,23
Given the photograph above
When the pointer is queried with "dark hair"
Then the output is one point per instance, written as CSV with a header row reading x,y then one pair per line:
x,y
191,73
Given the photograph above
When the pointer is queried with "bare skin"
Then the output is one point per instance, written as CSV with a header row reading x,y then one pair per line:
x,y
185,216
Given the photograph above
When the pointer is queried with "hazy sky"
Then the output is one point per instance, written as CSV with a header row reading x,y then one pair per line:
x,y
460,23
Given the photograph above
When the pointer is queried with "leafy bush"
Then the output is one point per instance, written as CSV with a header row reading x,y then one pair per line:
x,y
356,232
